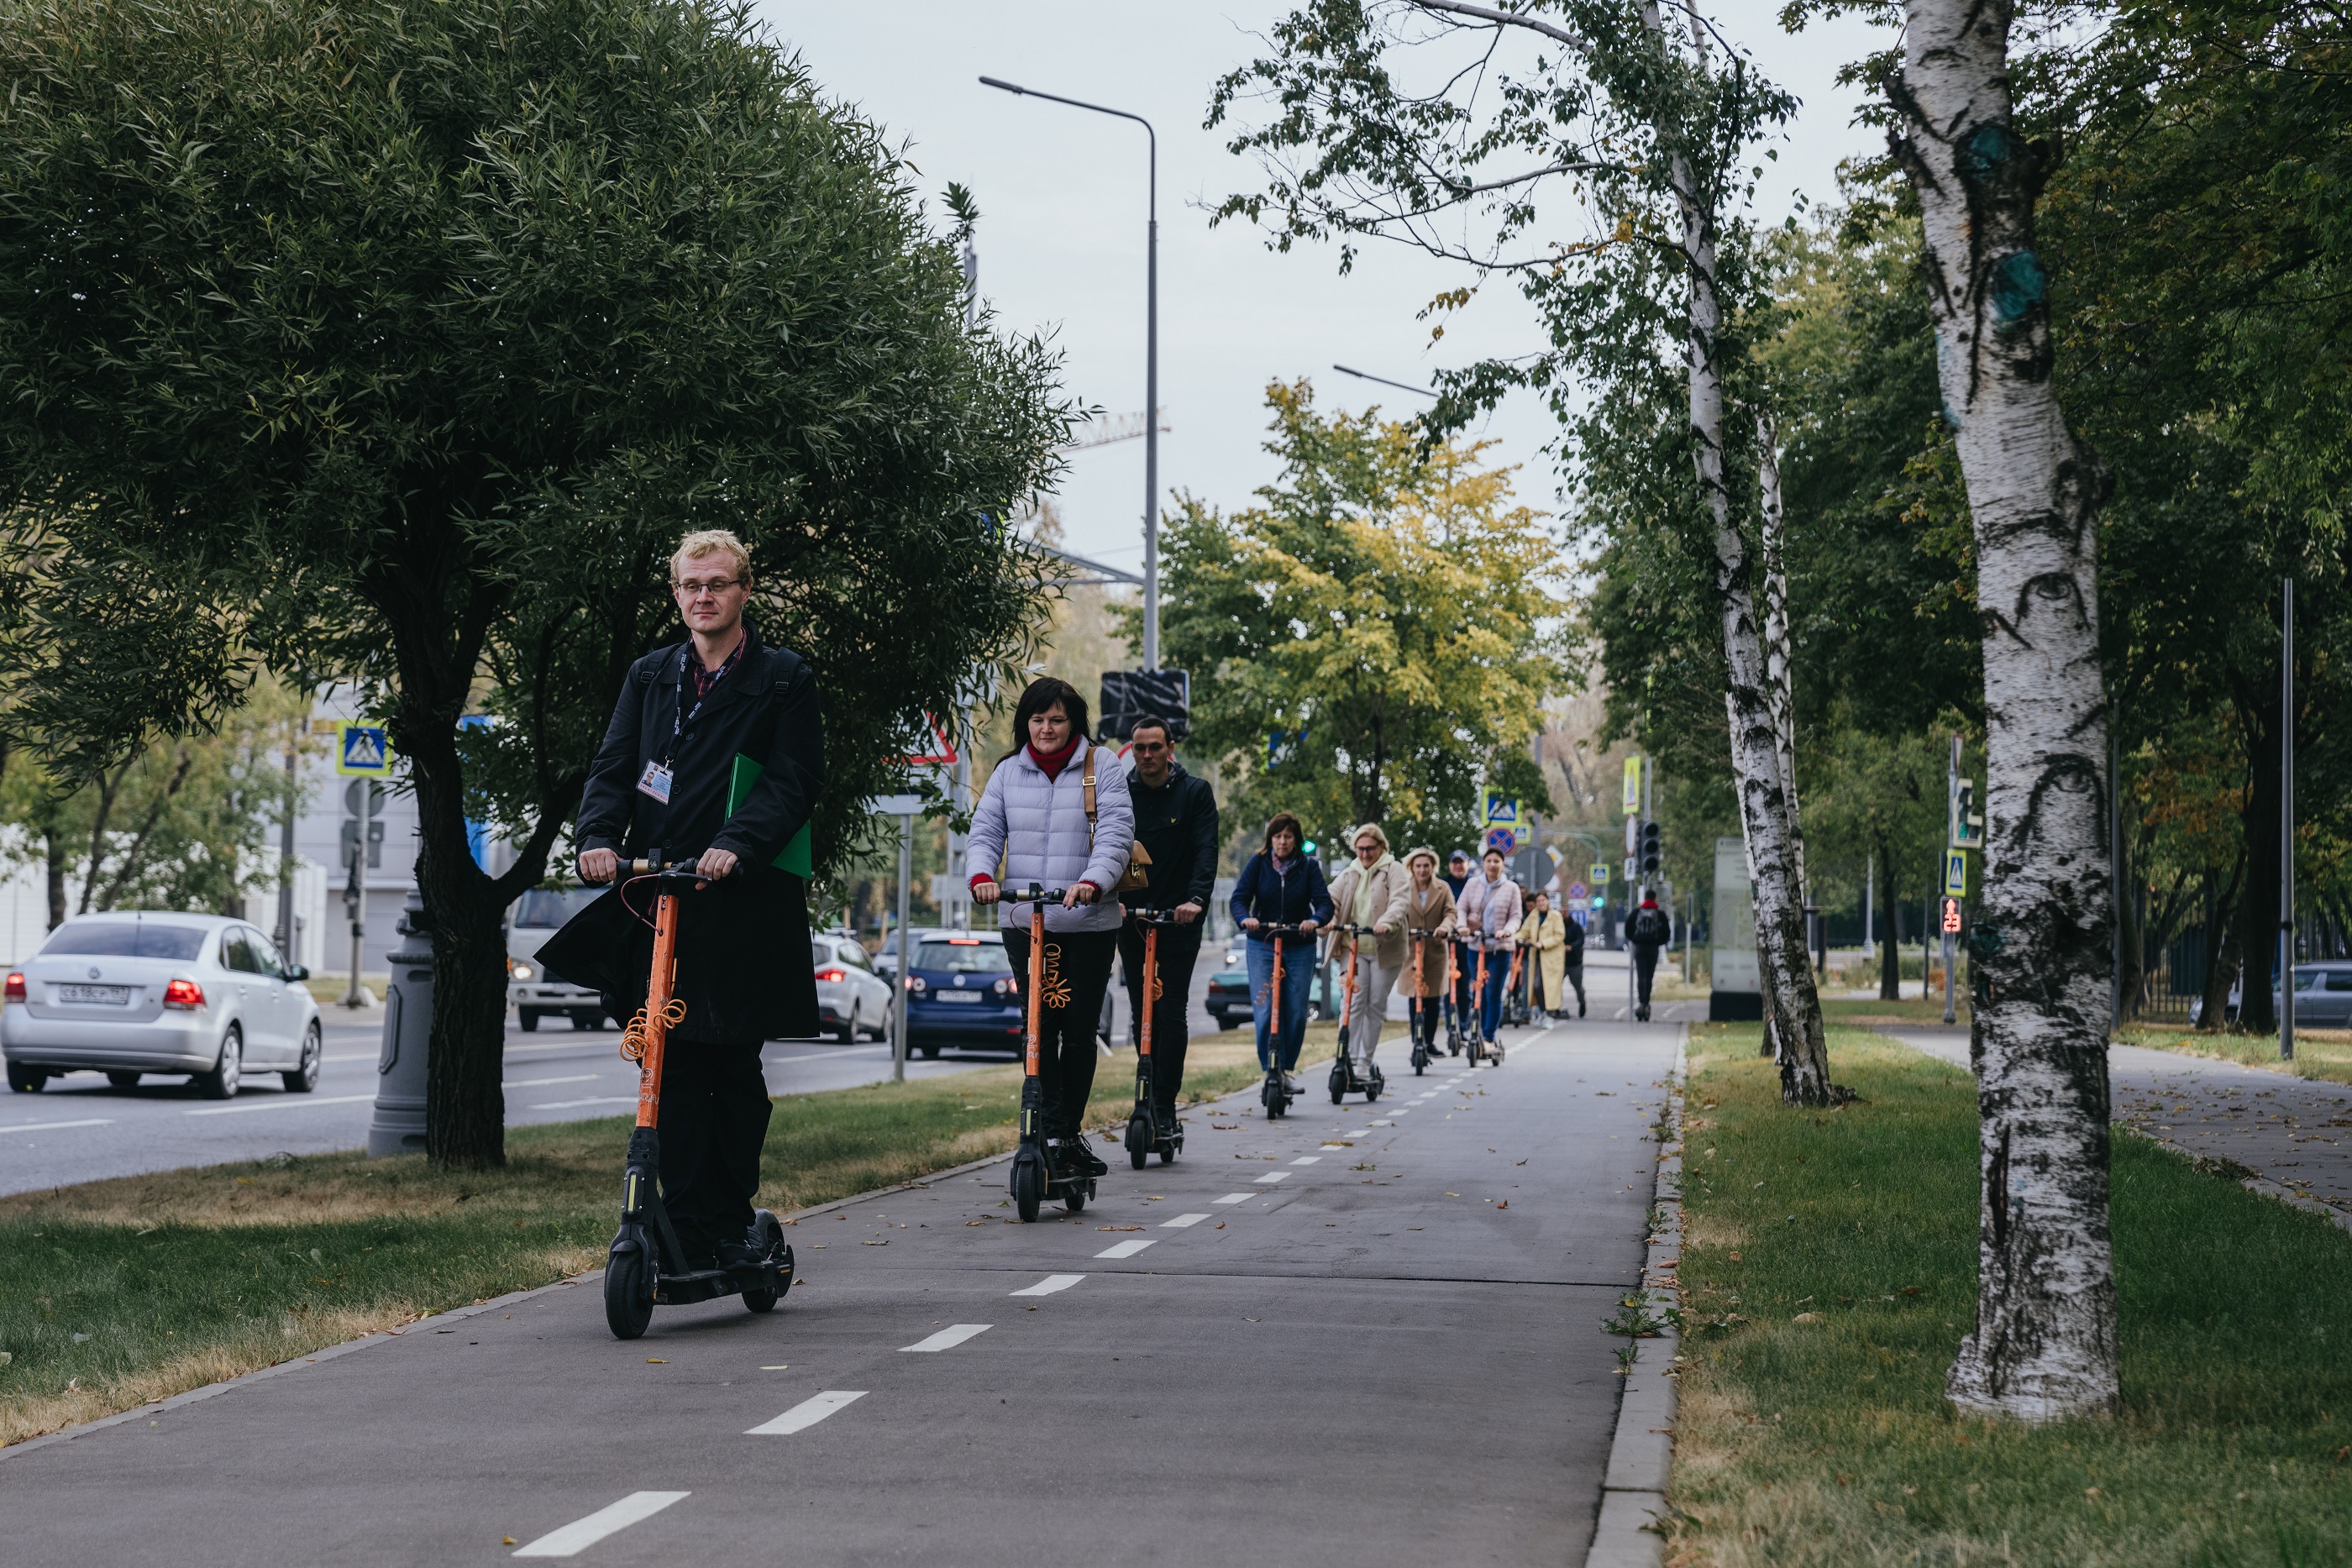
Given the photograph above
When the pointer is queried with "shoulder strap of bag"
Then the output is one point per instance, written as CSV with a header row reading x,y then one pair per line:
x,y
1090,782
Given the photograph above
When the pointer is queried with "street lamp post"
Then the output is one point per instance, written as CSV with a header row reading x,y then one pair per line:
x,y
1150,365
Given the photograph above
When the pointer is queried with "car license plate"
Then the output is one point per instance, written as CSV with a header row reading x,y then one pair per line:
x,y
103,996
965,997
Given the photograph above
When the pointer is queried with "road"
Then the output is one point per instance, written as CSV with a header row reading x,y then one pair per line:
x,y
1357,1337
80,1128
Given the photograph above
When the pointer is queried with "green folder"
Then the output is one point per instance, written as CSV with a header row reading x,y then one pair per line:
x,y
795,857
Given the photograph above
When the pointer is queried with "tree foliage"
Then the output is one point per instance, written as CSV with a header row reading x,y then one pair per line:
x,y
399,345
1374,641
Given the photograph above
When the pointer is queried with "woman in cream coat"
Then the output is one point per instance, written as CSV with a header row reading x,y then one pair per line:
x,y
1428,906
1370,891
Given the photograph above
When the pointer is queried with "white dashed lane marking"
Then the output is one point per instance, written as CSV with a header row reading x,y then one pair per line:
x,y
295,1102
582,1533
1272,1176
1125,1249
1051,1283
1303,1159
947,1338
51,1126
808,1412
1233,1198
1184,1221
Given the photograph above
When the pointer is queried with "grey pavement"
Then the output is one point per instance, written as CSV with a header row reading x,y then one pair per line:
x,y
1361,1336
2288,1133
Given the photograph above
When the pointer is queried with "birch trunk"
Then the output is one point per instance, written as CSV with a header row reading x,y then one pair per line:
x,y
1802,1054
1792,1006
2043,1346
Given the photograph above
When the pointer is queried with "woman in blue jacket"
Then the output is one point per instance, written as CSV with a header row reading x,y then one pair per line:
x,y
1281,886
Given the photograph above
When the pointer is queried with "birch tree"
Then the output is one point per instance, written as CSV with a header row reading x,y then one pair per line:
x,y
2045,1343
1650,127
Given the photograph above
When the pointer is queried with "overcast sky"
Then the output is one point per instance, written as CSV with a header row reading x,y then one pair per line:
x,y
1062,198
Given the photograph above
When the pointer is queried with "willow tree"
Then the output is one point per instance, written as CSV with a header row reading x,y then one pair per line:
x,y
1596,154
398,344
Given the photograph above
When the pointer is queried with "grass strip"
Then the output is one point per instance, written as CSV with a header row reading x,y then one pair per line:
x,y
1829,1272
2322,1055
117,1294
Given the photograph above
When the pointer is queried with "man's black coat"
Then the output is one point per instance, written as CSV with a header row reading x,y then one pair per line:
x,y
743,963
1177,826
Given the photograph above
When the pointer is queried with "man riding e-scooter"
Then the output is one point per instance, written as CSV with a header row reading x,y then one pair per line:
x,y
1176,824
690,715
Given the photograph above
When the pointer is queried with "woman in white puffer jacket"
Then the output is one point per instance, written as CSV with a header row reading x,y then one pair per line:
x,y
1032,822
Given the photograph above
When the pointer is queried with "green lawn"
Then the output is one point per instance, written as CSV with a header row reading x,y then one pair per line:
x,y
117,1292
2322,1054
1829,1442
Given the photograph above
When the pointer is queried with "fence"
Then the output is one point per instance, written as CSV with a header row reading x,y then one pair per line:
x,y
2173,981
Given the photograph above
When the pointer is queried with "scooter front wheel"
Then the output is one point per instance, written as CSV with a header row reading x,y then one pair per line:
x,y
1028,1184
1138,1140
628,1287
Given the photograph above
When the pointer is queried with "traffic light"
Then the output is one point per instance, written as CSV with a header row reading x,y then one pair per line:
x,y
1651,852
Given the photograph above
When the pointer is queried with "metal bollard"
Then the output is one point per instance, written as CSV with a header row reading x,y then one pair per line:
x,y
398,1127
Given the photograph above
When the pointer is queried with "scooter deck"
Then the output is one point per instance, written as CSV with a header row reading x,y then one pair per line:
x,y
710,1284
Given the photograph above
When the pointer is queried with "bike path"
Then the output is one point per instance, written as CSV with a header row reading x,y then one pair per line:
x,y
1358,1336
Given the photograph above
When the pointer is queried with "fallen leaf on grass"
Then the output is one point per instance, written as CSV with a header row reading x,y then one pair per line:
x,y
1734,1257
1806,1318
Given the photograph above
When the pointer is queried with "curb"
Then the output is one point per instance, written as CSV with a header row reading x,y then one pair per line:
x,y
1641,1456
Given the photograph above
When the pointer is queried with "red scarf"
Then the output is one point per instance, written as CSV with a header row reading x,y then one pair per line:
x,y
1052,762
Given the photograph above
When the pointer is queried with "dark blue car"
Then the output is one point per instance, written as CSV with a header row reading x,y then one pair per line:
x,y
961,993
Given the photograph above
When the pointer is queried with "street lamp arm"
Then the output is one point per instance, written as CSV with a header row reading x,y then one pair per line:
x,y
1078,103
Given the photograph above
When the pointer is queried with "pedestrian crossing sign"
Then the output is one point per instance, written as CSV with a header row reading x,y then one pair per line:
x,y
1956,873
1600,874
1502,810
363,749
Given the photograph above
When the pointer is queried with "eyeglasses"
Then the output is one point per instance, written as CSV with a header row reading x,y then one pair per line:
x,y
691,589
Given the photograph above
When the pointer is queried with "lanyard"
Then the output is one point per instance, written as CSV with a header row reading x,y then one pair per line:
x,y
680,718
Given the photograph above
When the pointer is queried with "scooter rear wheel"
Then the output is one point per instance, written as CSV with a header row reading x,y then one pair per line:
x,y
768,1236
1074,1197
628,1292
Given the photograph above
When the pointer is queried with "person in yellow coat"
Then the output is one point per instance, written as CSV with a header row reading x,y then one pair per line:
x,y
1546,931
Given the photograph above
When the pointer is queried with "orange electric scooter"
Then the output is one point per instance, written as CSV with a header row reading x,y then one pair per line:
x,y
1145,1134
1344,1081
1275,1092
1419,1005
646,1267
1035,1179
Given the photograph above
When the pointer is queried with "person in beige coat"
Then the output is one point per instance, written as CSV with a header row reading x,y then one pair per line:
x,y
1428,906
1370,891
1545,931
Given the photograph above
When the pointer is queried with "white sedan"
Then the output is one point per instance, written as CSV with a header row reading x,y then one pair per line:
x,y
151,992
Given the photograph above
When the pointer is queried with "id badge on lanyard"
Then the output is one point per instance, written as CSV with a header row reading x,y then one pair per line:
x,y
655,782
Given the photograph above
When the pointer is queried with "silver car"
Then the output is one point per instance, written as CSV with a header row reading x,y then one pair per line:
x,y
851,999
151,992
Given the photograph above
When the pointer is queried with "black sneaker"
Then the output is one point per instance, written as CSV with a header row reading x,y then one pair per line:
x,y
737,1255
1078,1157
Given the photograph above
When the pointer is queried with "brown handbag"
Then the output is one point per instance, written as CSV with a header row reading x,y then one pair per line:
x,y
1137,874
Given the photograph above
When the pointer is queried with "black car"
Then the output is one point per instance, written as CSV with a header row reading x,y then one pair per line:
x,y
961,993
1229,990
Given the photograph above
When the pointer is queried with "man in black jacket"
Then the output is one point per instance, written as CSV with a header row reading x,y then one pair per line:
x,y
715,756
1176,824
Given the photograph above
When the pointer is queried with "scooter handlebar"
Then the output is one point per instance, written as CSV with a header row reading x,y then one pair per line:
x,y
1266,929
1033,894
1153,916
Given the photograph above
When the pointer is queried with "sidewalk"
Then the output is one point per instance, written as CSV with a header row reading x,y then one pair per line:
x,y
2278,1134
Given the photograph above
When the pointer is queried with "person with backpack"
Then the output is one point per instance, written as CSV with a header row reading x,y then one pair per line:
x,y
1648,930
1056,814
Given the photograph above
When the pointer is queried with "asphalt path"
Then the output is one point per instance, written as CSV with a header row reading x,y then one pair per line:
x,y
1360,1336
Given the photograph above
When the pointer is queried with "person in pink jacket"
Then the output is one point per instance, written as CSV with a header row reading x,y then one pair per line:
x,y
1490,916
